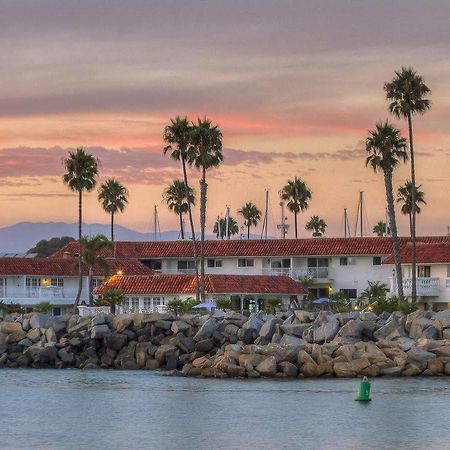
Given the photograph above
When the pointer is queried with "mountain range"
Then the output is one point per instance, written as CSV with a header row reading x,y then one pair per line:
x,y
22,236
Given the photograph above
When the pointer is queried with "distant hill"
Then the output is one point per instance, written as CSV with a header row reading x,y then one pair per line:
x,y
22,236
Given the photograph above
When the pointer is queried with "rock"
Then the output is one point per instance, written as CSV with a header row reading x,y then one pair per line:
x,y
389,331
231,330
347,317
100,319
435,366
446,333
324,329
268,329
292,342
178,326
201,362
253,323
418,325
303,316
16,336
58,323
116,341
24,343
288,368
391,372
411,370
91,366
370,316
82,325
430,333
26,324
206,330
163,324
218,314
164,352
234,370
50,335
121,322
372,371
442,319
352,368
10,327
99,331
233,315
295,329
65,356
419,355
442,351
142,353
205,345
246,335
38,320
186,344
268,367
353,328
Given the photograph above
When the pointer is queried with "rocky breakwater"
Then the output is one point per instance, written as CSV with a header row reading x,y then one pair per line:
x,y
295,344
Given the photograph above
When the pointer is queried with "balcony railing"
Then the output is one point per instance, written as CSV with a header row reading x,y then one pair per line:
x,y
300,273
43,292
425,286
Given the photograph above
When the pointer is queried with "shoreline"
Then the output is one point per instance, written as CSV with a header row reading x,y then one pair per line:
x,y
296,344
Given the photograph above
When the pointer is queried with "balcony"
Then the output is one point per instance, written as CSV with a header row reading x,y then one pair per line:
x,y
425,287
300,273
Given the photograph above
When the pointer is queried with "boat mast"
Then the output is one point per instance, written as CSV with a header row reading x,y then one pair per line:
x,y
266,214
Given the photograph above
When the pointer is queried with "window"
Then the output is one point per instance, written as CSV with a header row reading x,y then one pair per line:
x,y
347,261
424,271
97,282
32,282
135,303
376,261
349,293
56,311
215,263
280,263
317,262
154,264
57,282
186,265
245,262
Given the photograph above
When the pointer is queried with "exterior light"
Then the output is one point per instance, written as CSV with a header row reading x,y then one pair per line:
x,y
356,308
369,307
119,272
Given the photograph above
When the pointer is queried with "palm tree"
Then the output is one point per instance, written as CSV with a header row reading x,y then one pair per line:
x,y
81,175
178,137
113,197
205,152
386,149
177,201
251,215
220,227
380,229
317,225
91,248
405,195
406,93
376,290
297,194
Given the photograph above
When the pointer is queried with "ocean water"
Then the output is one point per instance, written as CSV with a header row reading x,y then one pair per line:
x,y
73,409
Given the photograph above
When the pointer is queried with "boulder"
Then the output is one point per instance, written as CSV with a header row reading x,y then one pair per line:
x,y
292,342
163,324
391,372
115,341
324,329
419,355
10,327
353,328
15,336
206,330
268,329
179,326
435,366
204,345
347,317
443,350
99,331
442,319
446,333
295,329
38,320
122,322
58,323
352,368
253,323
82,325
233,370
288,368
411,370
65,356
303,316
268,367
50,335
389,331
24,343
100,319
186,344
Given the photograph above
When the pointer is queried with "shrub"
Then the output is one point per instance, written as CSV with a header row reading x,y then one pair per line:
x,y
178,306
393,304
43,307
9,308
111,298
339,303
271,305
223,303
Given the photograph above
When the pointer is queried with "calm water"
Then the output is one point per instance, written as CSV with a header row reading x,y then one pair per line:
x,y
71,409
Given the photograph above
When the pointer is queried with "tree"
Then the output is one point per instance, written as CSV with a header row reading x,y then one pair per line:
x,y
405,196
91,256
386,149
380,229
406,93
112,298
46,248
251,215
81,175
177,201
375,290
220,227
205,153
297,194
178,137
113,197
317,225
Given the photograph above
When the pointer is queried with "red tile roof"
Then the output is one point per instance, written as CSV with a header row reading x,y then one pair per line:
x,y
255,248
425,254
214,284
66,267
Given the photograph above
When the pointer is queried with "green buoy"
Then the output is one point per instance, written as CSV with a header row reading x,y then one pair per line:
x,y
364,391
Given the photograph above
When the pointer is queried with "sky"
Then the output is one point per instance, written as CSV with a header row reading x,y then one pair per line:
x,y
293,85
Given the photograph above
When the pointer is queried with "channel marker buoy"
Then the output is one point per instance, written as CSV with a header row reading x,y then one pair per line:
x,y
364,391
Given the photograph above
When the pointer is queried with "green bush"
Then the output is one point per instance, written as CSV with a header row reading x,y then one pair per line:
x,y
43,307
223,303
111,298
393,304
178,306
10,308
339,303
272,304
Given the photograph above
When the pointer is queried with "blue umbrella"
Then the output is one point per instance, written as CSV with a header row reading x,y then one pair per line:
x,y
321,300
205,305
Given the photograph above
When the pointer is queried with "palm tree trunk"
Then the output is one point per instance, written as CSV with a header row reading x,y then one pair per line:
x,y
295,223
203,191
90,286
112,227
181,226
413,210
80,250
248,232
394,237
191,221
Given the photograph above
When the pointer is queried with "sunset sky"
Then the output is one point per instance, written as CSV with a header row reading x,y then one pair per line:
x,y
293,85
